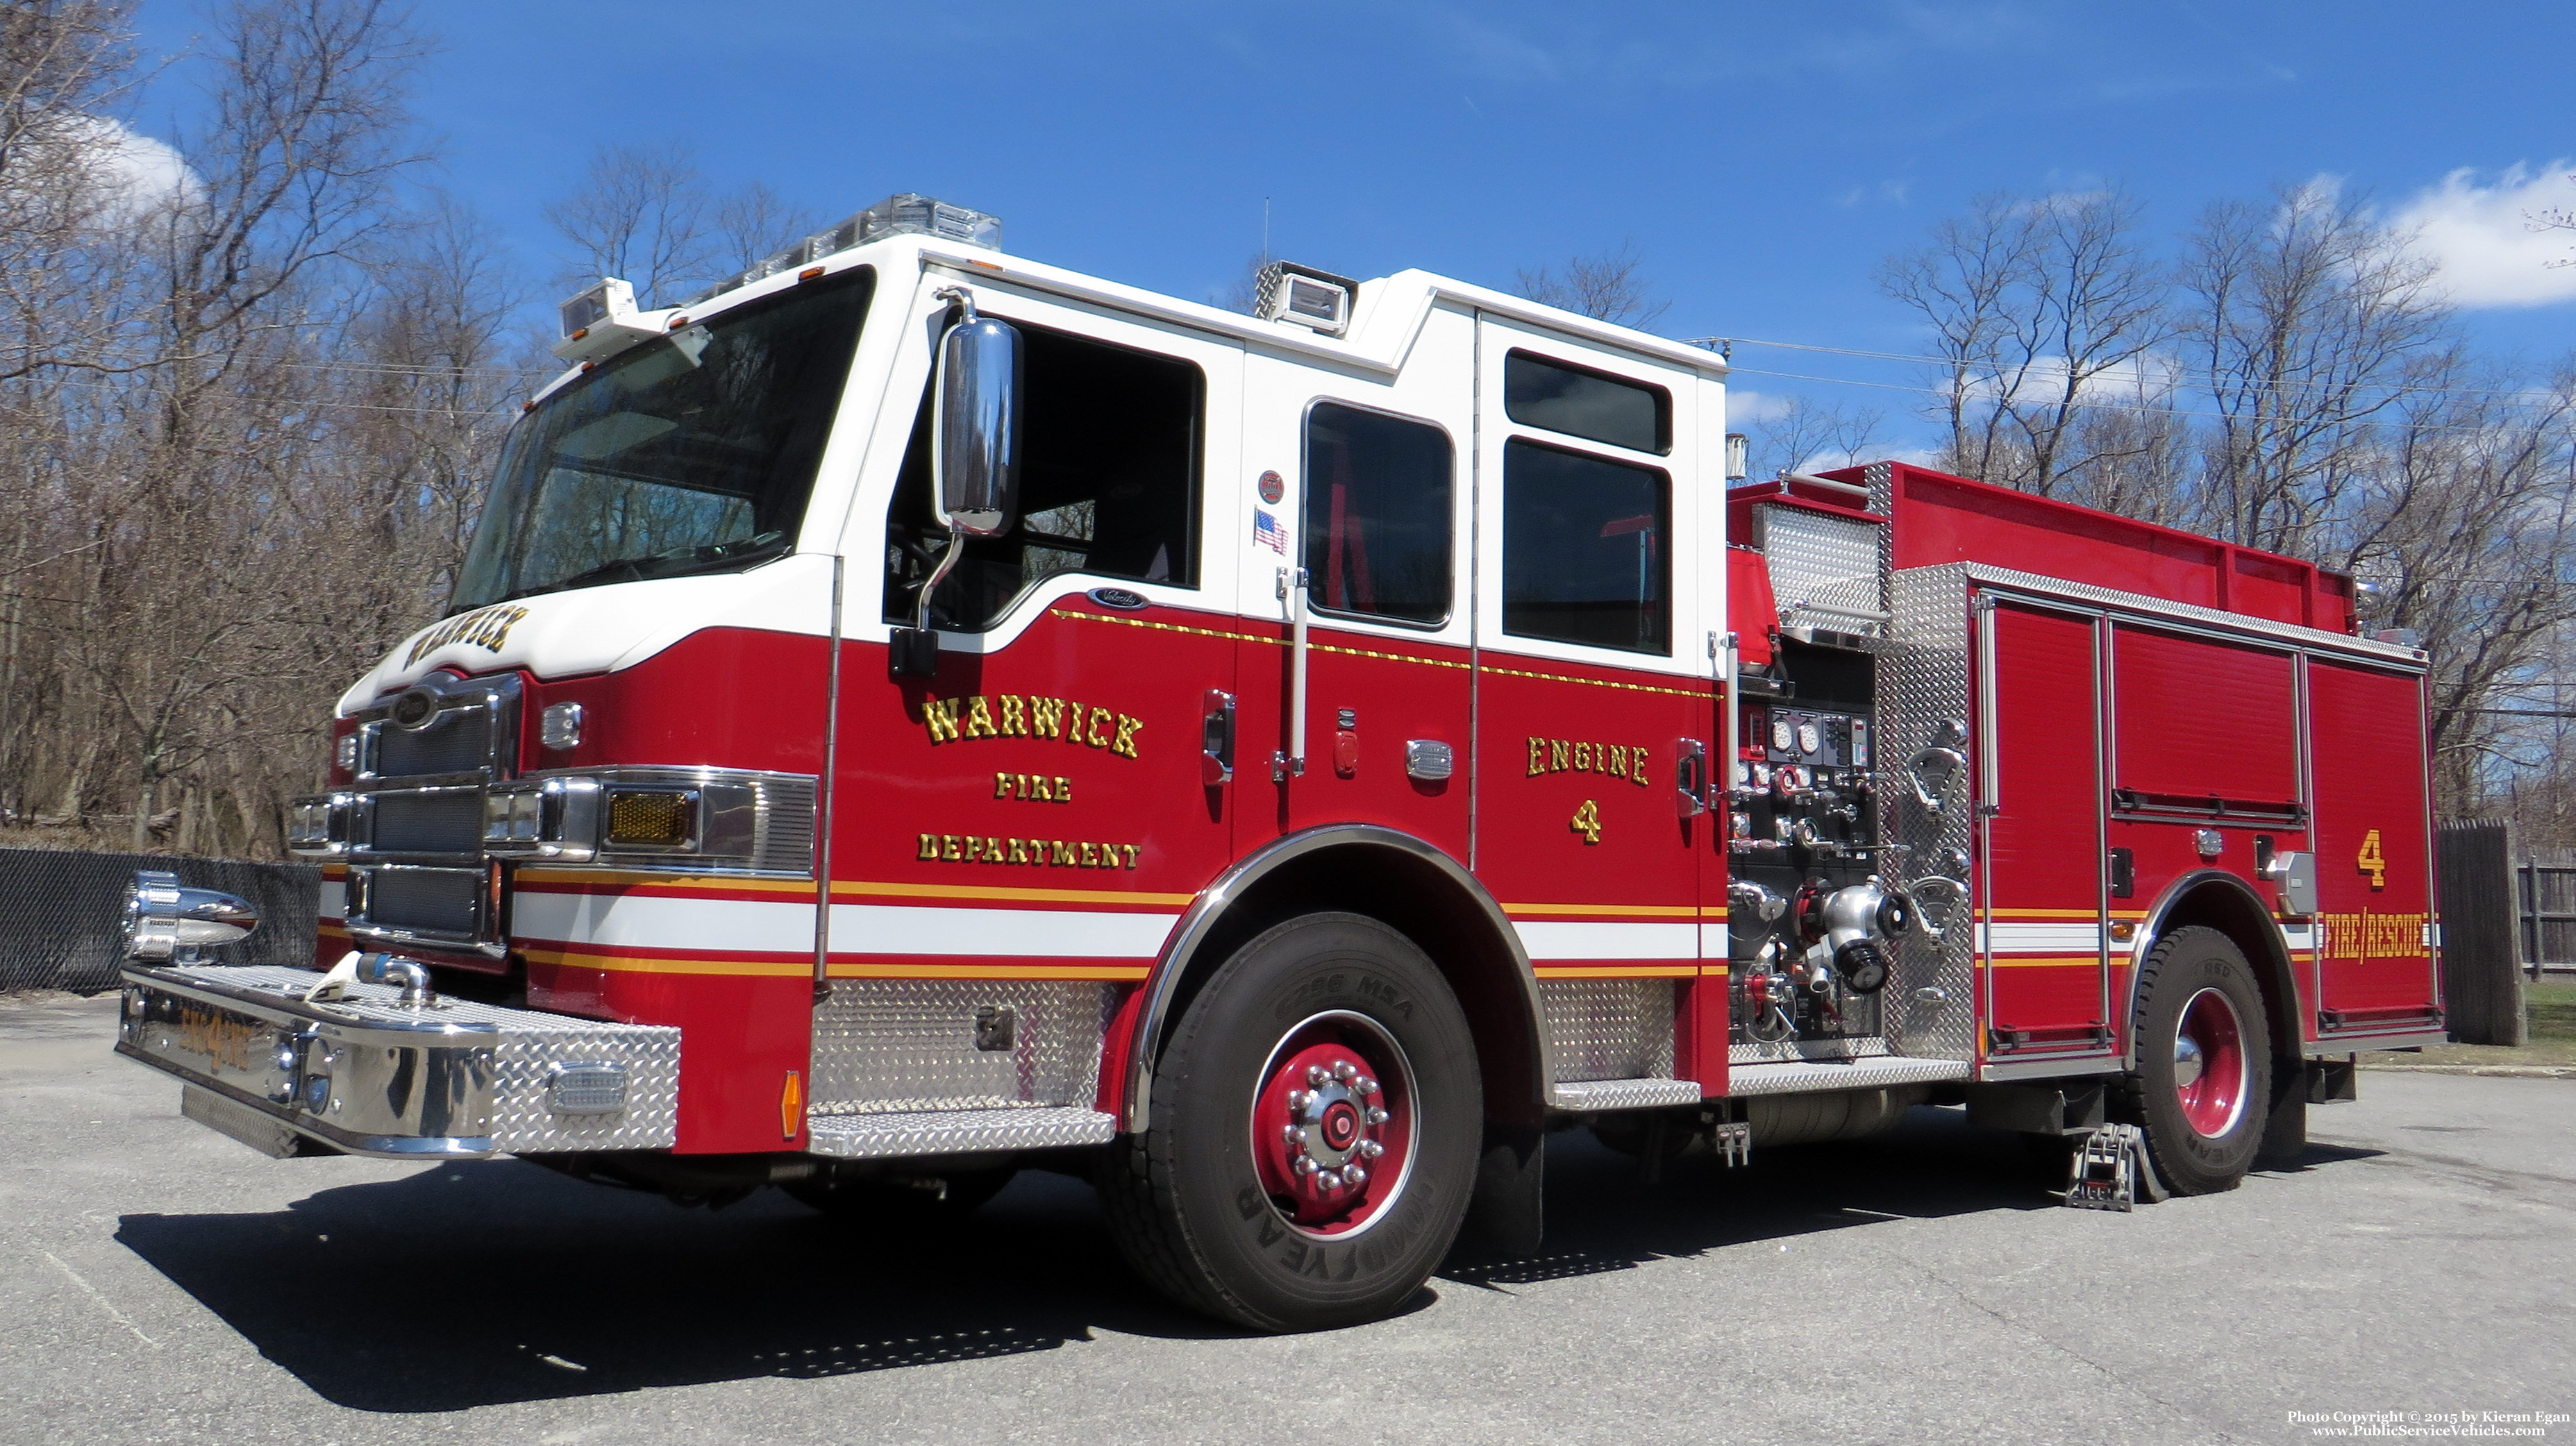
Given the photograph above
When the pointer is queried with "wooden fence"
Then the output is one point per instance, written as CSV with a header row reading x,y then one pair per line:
x,y
2481,963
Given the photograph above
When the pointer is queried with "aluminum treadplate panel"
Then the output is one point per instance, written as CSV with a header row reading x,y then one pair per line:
x,y
956,1132
1622,1094
1859,1074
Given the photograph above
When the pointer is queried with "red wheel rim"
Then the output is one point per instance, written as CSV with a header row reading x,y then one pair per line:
x,y
1333,1124
2210,1064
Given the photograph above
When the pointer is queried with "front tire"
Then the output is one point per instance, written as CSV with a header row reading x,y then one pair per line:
x,y
2204,1077
1316,1117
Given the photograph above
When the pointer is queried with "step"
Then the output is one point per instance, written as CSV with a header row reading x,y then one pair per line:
x,y
1856,1074
956,1132
1594,1095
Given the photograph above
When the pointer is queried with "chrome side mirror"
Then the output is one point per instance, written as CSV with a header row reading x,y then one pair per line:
x,y
165,921
975,433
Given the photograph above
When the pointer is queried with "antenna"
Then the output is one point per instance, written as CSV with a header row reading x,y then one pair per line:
x,y
1265,229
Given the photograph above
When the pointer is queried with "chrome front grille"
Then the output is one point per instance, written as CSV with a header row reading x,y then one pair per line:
x,y
417,875
447,903
443,821
460,741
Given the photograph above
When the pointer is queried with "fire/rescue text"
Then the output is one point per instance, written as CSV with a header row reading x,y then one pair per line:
x,y
2372,936
967,848
1576,755
1012,715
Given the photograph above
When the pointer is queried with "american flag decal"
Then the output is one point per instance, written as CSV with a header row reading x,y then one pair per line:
x,y
1267,531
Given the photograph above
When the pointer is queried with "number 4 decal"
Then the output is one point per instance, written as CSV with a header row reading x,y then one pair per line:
x,y
2371,862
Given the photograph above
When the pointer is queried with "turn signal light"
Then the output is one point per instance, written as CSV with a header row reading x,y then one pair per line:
x,y
655,818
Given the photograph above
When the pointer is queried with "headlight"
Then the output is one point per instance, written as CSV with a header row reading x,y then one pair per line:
x,y
557,818
317,825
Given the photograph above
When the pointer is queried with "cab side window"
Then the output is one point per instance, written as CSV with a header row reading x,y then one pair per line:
x,y
1587,553
1109,484
1378,515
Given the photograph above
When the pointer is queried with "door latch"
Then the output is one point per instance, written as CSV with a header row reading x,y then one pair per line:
x,y
1216,738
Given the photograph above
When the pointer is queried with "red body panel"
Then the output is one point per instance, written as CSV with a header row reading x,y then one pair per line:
x,y
2374,960
2198,718
2046,988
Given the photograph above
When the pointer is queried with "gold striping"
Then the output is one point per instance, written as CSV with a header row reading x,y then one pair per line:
x,y
1388,657
860,888
1615,971
2088,961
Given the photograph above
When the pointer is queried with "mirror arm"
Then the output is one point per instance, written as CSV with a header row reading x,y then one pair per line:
x,y
938,574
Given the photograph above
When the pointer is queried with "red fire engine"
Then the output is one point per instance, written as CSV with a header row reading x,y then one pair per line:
x,y
911,713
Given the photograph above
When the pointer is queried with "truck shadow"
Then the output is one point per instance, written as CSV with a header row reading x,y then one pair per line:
x,y
493,1282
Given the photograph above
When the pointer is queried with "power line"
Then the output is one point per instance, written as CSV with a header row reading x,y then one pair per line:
x,y
2525,394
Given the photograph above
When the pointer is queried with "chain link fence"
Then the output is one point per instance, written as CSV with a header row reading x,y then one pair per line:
x,y
61,913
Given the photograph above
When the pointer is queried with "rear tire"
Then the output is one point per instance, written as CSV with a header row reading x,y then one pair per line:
x,y
1220,1202
2203,1085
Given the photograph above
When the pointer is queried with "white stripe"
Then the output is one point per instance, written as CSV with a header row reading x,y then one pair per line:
x,y
630,921
333,902
1609,941
2039,938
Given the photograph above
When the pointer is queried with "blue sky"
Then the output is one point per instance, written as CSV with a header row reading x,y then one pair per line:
x,y
1762,158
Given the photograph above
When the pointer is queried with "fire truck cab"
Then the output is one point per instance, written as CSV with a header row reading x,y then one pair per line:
x,y
910,713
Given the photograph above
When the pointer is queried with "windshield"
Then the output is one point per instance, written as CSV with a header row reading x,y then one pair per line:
x,y
691,453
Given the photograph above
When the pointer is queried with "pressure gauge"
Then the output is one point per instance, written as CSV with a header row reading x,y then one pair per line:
x,y
1743,773
1810,737
1784,735
1762,775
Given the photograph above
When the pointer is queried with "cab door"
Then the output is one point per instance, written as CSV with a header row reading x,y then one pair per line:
x,y
1363,484
1592,695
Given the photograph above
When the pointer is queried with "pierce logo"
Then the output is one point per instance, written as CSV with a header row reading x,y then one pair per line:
x,y
486,628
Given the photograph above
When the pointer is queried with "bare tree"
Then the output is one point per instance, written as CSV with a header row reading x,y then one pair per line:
x,y
2035,305
2303,324
640,212
1807,435
754,221
1606,287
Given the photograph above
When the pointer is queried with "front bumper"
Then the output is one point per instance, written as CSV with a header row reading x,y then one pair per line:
x,y
367,1075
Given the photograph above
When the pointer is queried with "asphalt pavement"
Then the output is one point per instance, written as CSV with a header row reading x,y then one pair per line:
x,y
160,1283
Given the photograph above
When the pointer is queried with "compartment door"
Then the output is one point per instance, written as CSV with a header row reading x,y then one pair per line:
x,y
2374,962
2040,936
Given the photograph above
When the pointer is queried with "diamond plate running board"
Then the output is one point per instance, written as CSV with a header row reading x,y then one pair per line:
x,y
1622,1094
955,1132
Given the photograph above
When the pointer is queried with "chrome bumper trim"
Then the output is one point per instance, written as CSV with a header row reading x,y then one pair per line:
x,y
368,1075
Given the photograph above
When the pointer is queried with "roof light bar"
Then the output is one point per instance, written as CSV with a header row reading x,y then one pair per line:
x,y
908,214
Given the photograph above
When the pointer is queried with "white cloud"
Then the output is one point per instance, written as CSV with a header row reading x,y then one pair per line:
x,y
1746,408
2481,235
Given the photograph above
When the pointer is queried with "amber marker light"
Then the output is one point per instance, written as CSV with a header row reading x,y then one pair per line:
x,y
809,273
791,1106
651,818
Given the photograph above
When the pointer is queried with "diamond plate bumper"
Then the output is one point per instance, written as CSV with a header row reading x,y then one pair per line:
x,y
1622,1094
367,1075
1856,1074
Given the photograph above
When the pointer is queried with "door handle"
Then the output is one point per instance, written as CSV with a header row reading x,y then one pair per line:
x,y
1290,762
1690,777
1216,738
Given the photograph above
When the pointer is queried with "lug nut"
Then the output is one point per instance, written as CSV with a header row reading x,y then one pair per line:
x,y
1364,1087
1327,1180
1376,1116
1354,1176
1371,1149
1306,1165
1298,1100
1345,1071
1316,1076
1295,1136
